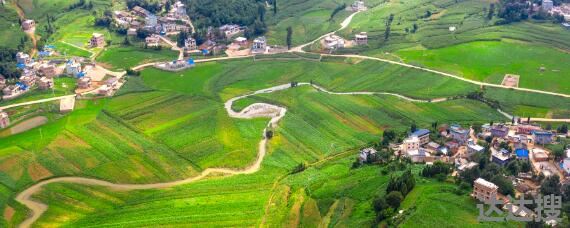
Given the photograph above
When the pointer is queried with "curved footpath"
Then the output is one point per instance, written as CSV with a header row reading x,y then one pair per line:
x,y
256,110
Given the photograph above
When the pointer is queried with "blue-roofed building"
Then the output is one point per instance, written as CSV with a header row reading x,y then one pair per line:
x,y
422,134
191,61
542,137
205,51
80,74
522,153
21,66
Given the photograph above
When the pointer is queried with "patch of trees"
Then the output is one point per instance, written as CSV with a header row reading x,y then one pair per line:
x,y
81,4
397,189
299,168
438,170
513,11
289,39
182,36
388,25
151,6
491,172
132,72
337,10
8,63
219,12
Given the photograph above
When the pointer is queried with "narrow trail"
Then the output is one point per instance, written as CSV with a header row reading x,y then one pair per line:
x,y
32,33
343,25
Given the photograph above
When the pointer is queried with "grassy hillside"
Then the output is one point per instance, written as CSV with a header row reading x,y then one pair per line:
x,y
11,32
477,48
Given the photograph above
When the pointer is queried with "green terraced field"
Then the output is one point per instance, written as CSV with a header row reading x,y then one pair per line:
x,y
168,126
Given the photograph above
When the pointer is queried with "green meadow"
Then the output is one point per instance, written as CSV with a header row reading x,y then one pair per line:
x,y
490,61
124,57
11,30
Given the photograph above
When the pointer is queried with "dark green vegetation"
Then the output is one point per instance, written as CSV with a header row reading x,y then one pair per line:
x,y
168,126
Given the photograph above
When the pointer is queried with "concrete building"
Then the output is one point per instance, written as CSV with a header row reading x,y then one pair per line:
x,y
84,83
473,148
422,134
539,155
547,5
259,44
358,5
2,82
28,80
45,83
4,119
190,44
484,190
566,163
333,41
418,155
230,30
361,38
12,91
97,40
48,70
28,24
527,129
23,58
132,32
542,137
499,131
141,12
179,9
459,134
410,143
152,40
151,21
501,157
72,68
240,41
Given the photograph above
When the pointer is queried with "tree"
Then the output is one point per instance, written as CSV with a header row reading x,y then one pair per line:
x,y
394,199
261,11
289,37
181,41
274,7
559,154
491,11
380,204
563,129
126,41
336,10
415,28
504,184
413,128
551,185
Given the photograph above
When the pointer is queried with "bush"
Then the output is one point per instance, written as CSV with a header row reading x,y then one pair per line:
x,y
380,204
394,199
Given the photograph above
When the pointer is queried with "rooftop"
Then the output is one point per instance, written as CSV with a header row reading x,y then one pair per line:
x,y
420,132
486,183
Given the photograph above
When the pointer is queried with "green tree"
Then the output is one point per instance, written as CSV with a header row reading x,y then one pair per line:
x,y
551,185
394,199
289,37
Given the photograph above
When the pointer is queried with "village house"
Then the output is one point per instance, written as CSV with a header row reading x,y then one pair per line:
x,y
28,80
433,146
67,104
181,28
105,90
473,148
452,146
358,5
48,70
179,9
28,24
97,40
4,119
240,41
499,131
152,40
151,21
484,190
522,153
230,30
542,137
547,5
12,91
45,83
418,155
2,82
72,67
527,129
361,38
259,44
168,27
141,12
459,134
365,154
563,10
462,164
566,163
132,32
539,155
112,82
410,143
501,157
190,44
84,83
23,58
333,41
136,24
422,134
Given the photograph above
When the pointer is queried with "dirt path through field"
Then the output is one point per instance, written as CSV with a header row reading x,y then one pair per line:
x,y
32,33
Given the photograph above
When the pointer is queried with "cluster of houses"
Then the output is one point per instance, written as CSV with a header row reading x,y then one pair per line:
x,y
332,41
563,9
176,20
40,74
